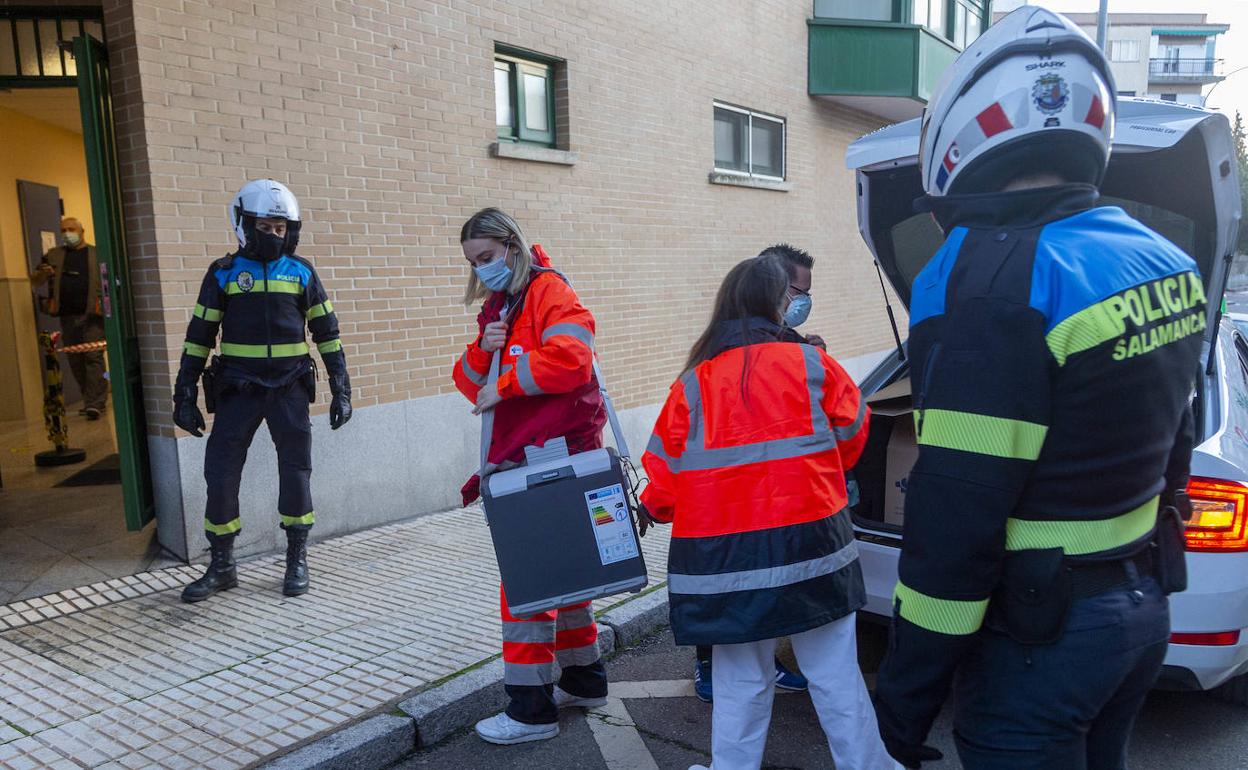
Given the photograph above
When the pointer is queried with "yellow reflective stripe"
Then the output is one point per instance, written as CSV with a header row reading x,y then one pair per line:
x,y
316,311
207,313
228,528
1082,537
308,518
979,433
239,350
944,616
1086,329
272,285
332,346
199,351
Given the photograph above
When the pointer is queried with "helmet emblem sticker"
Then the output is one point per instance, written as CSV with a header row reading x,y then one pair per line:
x,y
1050,93
245,281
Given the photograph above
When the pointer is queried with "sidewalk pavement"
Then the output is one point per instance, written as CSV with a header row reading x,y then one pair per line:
x,y
122,674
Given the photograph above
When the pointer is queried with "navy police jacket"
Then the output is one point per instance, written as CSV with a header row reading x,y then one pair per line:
x,y
1054,348
263,311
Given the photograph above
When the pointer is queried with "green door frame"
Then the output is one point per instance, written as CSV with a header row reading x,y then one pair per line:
x,y
104,180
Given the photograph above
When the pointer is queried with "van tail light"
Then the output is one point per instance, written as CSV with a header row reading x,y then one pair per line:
x,y
1219,515
1219,639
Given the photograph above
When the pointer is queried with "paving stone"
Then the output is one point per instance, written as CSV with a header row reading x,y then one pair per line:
x,y
122,674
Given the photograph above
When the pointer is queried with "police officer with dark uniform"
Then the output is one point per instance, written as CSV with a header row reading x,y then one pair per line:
x,y
1055,346
260,298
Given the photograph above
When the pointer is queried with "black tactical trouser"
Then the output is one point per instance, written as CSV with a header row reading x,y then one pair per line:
x,y
239,411
88,368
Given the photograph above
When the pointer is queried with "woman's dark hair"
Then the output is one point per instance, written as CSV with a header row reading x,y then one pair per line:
x,y
753,289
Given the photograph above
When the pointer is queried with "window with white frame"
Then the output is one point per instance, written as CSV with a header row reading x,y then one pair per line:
x,y
748,143
1124,50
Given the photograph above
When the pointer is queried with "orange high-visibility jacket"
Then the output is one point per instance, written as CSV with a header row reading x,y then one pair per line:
x,y
752,477
546,377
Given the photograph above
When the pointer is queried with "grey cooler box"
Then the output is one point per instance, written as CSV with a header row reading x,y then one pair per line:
x,y
563,530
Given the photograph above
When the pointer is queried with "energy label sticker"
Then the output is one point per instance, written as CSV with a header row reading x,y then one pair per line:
x,y
608,512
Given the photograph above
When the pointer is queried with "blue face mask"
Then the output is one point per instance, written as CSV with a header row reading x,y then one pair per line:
x,y
798,311
496,276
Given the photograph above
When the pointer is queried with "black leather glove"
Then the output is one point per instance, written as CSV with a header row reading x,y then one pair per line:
x,y
906,749
340,387
911,757
186,414
644,520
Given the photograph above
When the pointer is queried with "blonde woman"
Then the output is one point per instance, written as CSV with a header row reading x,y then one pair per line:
x,y
532,319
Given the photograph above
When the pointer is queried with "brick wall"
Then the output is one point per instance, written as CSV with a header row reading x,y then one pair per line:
x,y
379,115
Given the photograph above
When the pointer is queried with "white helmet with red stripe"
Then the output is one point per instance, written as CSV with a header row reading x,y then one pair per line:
x,y
1032,94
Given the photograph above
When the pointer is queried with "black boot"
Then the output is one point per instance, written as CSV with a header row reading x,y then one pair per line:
x,y
220,575
296,582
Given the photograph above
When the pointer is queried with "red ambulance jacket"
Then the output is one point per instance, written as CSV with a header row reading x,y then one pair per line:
x,y
546,377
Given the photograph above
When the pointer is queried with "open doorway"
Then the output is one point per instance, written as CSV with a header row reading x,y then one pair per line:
x,y
62,270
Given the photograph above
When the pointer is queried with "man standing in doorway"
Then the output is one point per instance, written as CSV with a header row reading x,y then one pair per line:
x,y
74,297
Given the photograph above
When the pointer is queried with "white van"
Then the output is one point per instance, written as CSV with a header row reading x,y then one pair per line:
x,y
1174,168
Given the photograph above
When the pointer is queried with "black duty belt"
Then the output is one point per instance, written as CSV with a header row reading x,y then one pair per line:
x,y
1089,578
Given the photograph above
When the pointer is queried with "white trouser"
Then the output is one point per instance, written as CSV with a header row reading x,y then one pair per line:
x,y
744,678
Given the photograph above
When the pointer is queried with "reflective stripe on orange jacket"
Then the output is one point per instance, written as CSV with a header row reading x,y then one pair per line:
x,y
752,476
550,346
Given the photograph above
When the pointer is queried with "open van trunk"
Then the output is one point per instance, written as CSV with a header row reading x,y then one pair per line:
x,y
1171,168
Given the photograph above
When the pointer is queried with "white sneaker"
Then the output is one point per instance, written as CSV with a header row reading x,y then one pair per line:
x,y
504,731
565,699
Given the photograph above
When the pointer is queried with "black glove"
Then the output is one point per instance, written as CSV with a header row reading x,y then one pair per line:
x,y
644,520
186,414
901,740
340,387
911,756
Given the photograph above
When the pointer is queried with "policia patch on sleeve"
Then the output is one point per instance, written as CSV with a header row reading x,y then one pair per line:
x,y
1140,319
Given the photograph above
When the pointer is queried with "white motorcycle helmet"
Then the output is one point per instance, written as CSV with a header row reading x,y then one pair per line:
x,y
260,199
1032,94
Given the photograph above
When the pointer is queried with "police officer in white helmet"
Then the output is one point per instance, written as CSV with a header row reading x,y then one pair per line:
x,y
1041,516
262,299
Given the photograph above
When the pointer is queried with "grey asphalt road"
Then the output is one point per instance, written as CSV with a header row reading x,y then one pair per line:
x,y
1176,730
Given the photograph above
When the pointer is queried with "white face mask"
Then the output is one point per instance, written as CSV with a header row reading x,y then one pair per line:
x,y
72,238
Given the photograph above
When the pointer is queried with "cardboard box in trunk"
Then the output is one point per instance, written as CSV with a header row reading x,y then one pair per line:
x,y
903,450
894,401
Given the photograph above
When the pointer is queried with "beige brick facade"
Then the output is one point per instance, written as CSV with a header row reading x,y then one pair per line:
x,y
379,115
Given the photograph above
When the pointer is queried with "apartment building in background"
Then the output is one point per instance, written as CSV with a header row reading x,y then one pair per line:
x,y
1168,56
647,146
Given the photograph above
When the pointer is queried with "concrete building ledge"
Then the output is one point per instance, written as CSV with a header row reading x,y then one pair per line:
x,y
516,151
735,180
